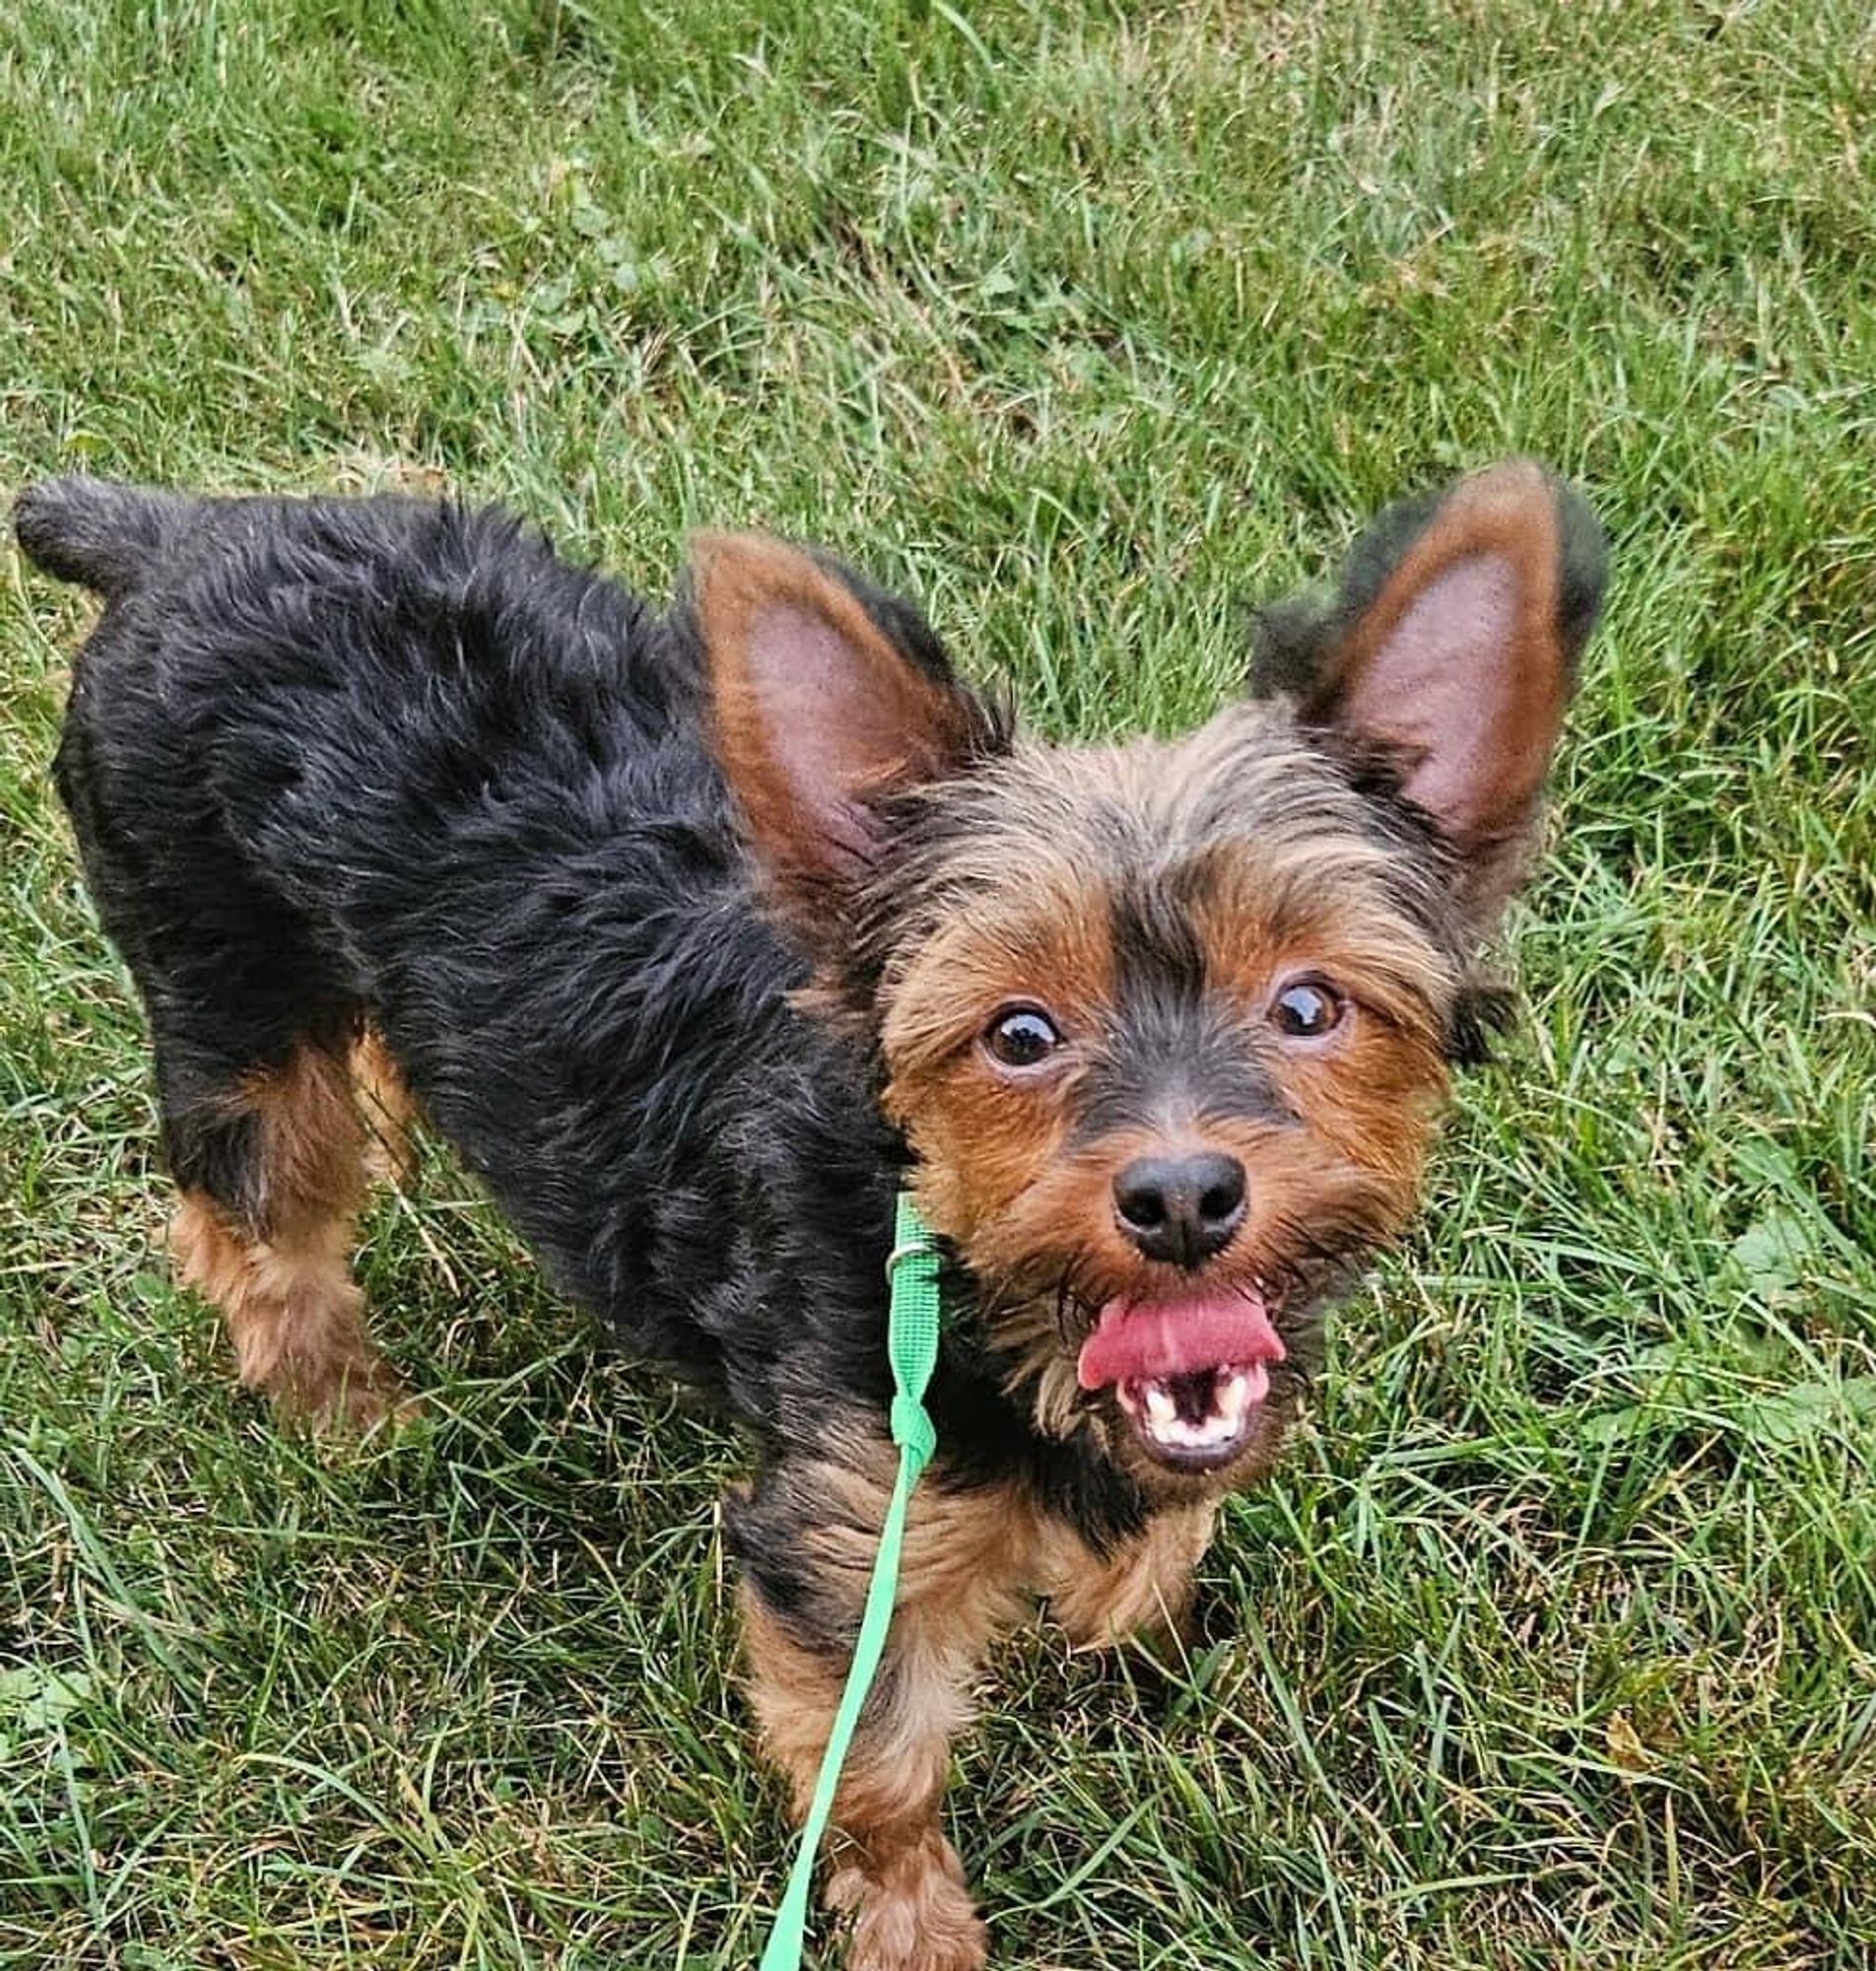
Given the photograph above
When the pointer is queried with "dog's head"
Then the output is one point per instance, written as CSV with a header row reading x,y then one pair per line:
x,y
1166,1025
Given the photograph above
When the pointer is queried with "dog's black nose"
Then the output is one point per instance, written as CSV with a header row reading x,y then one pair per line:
x,y
1182,1209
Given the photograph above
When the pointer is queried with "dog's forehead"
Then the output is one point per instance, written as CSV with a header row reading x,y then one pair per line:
x,y
1207,861
1246,788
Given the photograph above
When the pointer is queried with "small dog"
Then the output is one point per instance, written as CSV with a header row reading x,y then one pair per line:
x,y
701,934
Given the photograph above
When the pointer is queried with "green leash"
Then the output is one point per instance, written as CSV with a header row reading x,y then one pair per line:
x,y
911,1346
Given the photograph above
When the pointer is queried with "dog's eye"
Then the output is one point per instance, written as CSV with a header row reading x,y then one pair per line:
x,y
1022,1037
1307,1010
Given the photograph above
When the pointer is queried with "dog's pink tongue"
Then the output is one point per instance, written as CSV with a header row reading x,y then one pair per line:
x,y
1140,1340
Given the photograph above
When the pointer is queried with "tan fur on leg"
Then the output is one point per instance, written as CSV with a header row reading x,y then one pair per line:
x,y
894,1873
910,1910
386,1107
293,1309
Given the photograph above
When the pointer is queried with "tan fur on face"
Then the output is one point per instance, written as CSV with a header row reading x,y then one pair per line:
x,y
1242,820
1031,924
294,1312
1272,864
1373,1092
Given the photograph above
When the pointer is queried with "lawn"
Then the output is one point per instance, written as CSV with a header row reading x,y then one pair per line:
x,y
1555,1642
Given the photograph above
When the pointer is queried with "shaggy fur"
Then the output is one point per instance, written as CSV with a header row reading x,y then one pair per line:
x,y
699,933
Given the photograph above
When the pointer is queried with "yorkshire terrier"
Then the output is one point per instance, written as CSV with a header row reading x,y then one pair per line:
x,y
698,934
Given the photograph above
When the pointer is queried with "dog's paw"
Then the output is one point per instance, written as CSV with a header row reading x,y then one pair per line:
x,y
914,1914
344,1409
381,1406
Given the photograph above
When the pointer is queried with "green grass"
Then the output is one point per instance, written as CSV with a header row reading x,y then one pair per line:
x,y
1557,1641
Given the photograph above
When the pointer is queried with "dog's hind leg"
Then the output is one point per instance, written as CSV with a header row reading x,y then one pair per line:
x,y
253,1009
253,1025
271,1165
386,1107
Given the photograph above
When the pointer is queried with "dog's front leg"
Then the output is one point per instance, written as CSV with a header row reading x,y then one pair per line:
x,y
892,1871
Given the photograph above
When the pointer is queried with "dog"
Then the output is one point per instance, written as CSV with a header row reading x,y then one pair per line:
x,y
700,933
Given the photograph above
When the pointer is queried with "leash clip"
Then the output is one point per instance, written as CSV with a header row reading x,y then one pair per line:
x,y
924,1246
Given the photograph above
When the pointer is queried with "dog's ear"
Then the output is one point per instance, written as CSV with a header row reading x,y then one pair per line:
x,y
827,699
1449,658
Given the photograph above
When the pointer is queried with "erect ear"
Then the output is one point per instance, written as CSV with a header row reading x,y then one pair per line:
x,y
1449,657
827,699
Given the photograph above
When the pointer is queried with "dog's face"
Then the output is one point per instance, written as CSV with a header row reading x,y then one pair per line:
x,y
1166,1025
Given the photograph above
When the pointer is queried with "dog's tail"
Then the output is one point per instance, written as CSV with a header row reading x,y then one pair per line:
x,y
94,531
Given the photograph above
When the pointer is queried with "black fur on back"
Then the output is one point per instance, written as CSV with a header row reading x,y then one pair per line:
x,y
332,761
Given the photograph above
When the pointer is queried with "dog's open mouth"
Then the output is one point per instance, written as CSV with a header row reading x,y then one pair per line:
x,y
1190,1375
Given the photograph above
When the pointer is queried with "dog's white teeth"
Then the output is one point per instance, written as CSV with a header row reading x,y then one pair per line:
x,y
1231,1395
1160,1408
